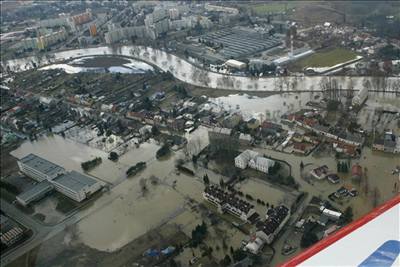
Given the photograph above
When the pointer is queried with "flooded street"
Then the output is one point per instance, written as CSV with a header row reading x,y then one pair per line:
x,y
379,166
186,72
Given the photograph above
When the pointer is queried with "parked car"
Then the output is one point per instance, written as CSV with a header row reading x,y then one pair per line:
x,y
353,192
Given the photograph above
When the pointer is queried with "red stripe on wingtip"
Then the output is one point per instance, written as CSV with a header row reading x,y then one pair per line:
x,y
324,243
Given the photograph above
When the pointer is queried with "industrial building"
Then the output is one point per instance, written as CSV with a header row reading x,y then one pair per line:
x,y
240,42
76,185
235,64
35,193
39,169
51,176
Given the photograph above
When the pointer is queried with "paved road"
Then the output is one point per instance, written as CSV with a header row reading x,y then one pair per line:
x,y
42,232
39,232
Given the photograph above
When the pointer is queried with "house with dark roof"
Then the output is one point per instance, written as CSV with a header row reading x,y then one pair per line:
x,y
228,202
276,218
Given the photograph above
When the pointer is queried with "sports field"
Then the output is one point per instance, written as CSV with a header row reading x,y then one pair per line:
x,y
327,58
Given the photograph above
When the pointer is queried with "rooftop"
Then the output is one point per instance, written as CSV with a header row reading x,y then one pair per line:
x,y
275,216
42,165
228,198
75,181
36,191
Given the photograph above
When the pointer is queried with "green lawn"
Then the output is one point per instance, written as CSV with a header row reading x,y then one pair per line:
x,y
327,58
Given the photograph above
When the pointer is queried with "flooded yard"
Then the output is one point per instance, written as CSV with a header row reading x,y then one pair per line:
x,y
70,154
379,167
266,192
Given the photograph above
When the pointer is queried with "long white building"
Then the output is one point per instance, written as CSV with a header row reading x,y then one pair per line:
x,y
76,185
39,169
51,176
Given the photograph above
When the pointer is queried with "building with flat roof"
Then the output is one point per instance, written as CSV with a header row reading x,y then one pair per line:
x,y
235,64
240,42
76,185
35,193
39,169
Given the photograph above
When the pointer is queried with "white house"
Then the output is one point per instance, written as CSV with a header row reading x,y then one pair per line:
x,y
253,160
262,164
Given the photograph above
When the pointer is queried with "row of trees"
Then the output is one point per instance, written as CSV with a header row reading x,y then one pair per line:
x,y
343,167
90,164
136,168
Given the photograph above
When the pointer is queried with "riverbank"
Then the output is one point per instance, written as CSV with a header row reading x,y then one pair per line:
x,y
188,73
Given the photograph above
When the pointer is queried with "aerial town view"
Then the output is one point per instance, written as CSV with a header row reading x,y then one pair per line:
x,y
195,133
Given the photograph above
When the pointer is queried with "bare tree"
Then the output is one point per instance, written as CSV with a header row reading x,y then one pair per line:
x,y
376,195
143,185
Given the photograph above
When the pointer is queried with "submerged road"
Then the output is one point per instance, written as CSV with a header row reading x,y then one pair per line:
x,y
191,74
42,232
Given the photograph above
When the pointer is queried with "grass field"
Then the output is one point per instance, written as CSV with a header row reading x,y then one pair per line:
x,y
266,8
327,58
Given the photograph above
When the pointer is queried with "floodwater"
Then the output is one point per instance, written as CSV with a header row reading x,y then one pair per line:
x,y
125,212
271,107
99,65
186,72
70,155
379,166
134,211
262,190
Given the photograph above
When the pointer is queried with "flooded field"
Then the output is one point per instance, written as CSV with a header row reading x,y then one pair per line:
x,y
126,212
102,64
271,107
264,191
369,118
70,155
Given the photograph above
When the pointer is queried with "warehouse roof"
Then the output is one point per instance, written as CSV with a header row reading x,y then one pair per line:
x,y
75,181
42,165
35,192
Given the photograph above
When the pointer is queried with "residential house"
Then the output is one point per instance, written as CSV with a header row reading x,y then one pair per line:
x,y
276,219
302,148
228,202
320,172
245,139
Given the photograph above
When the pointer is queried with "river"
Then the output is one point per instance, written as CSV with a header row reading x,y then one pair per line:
x,y
189,73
